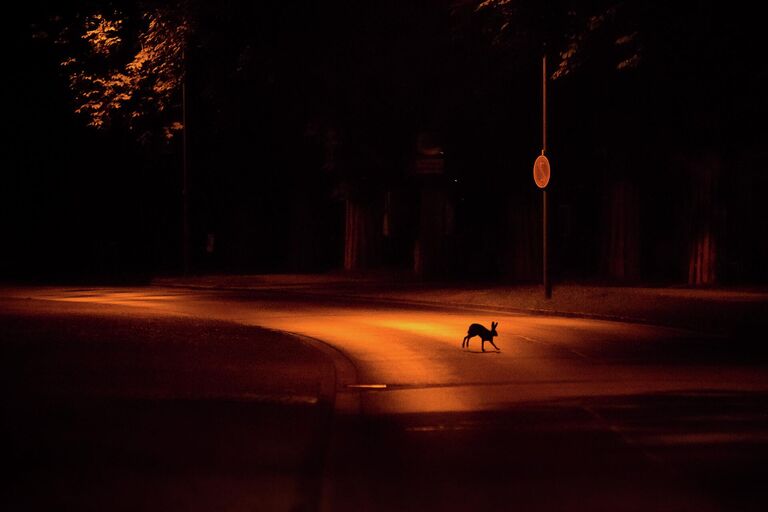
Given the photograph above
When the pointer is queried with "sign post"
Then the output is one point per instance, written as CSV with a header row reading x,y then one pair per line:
x,y
541,173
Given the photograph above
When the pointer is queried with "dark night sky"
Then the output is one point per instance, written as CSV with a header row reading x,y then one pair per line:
x,y
269,83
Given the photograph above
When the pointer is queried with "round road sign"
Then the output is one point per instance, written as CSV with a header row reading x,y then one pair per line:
x,y
541,171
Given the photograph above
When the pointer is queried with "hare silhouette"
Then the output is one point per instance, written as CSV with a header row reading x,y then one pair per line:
x,y
485,335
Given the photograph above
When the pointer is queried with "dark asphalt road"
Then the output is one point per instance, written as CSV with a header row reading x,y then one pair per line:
x,y
104,410
153,399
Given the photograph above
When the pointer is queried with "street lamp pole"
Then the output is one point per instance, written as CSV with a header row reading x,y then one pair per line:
x,y
545,234
184,178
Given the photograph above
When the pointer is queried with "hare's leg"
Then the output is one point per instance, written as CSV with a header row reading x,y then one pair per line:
x,y
482,344
494,345
464,341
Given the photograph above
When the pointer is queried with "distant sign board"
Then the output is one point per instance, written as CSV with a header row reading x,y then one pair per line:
x,y
429,166
541,171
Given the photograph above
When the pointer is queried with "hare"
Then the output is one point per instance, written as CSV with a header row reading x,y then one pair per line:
x,y
485,335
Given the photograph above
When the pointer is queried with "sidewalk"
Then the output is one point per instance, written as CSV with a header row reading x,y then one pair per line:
x,y
721,310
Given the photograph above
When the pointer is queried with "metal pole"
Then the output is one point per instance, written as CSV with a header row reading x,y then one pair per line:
x,y
544,104
184,184
545,250
545,234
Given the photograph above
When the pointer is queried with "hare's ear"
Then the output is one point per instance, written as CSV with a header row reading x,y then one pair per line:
x,y
494,325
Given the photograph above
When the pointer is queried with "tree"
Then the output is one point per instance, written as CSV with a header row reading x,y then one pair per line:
x,y
120,73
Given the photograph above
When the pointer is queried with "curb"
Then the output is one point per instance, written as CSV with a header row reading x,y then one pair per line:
x,y
345,374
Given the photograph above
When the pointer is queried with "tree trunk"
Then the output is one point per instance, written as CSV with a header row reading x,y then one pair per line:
x,y
428,258
621,238
524,246
703,242
358,238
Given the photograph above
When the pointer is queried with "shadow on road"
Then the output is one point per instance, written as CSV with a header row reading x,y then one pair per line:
x,y
687,451
108,412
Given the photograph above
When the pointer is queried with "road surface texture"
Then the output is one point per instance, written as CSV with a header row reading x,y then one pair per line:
x,y
154,398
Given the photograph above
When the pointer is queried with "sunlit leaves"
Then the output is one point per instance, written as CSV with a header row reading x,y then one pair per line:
x,y
133,84
589,31
170,130
484,4
605,26
102,34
